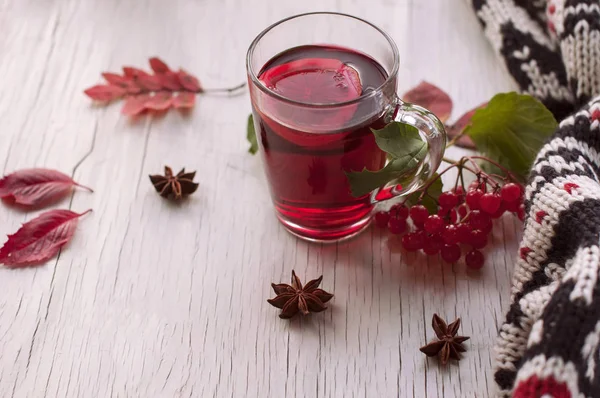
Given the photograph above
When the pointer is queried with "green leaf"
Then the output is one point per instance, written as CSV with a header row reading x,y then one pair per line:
x,y
251,136
403,143
511,130
431,197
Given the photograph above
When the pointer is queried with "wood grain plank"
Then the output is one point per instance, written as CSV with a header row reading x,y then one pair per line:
x,y
162,300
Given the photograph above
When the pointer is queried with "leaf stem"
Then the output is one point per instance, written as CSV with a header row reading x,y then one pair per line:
x,y
222,90
498,165
84,187
85,212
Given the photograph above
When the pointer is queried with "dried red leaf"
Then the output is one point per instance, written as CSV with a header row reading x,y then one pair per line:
x,y
158,66
105,92
135,104
160,101
431,97
184,99
169,81
465,141
132,72
149,82
124,82
189,82
36,187
40,239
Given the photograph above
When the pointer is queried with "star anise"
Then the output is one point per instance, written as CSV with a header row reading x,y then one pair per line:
x,y
449,344
174,186
295,298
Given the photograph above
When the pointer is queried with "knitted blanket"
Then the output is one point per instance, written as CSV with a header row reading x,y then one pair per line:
x,y
549,344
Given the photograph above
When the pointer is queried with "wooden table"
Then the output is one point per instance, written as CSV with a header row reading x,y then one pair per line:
x,y
152,299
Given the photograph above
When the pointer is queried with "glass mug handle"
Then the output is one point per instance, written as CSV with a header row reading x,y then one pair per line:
x,y
432,129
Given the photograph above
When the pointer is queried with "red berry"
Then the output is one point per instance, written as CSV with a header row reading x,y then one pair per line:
x,y
521,212
490,202
450,234
413,241
474,259
450,253
478,239
500,211
462,211
433,244
510,192
480,220
464,233
397,226
408,244
399,211
419,214
442,212
448,200
473,199
512,206
434,224
382,218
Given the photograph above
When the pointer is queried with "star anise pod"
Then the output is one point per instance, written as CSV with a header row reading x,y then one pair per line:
x,y
295,298
449,344
174,186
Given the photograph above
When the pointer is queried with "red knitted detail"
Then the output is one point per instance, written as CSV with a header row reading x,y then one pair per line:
x,y
569,186
596,115
524,252
537,388
539,216
551,9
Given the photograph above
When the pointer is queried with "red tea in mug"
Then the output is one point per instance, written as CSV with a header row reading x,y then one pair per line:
x,y
306,164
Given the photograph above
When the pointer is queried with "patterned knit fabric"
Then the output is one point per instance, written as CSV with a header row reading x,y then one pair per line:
x,y
549,344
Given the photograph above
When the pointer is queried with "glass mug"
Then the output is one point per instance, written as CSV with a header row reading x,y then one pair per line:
x,y
319,82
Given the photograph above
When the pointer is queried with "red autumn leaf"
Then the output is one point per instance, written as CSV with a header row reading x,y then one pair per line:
x,y
431,97
184,100
135,104
40,239
124,82
158,66
105,92
160,101
149,82
465,141
160,90
133,73
36,187
189,82
169,81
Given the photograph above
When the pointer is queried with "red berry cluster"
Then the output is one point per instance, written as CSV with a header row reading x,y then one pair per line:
x,y
462,219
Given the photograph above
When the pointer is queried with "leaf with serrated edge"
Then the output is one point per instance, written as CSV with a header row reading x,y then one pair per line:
x,y
135,104
105,92
251,135
39,239
36,187
158,65
407,150
184,100
430,200
160,101
513,127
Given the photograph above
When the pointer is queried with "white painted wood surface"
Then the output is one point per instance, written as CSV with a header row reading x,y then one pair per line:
x,y
158,300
